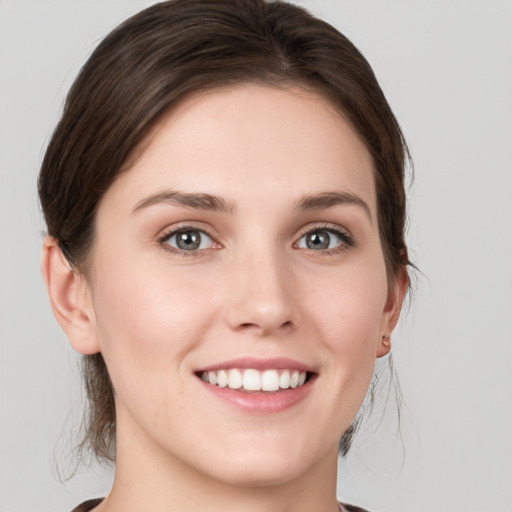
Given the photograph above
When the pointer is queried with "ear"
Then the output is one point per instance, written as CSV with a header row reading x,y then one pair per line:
x,y
392,309
70,297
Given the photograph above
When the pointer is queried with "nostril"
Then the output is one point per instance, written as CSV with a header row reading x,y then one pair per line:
x,y
248,325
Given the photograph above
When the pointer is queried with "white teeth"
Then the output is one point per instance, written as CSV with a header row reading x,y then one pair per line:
x,y
222,379
294,379
254,380
284,379
234,379
270,380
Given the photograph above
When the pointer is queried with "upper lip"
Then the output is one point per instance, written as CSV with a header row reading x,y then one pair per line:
x,y
275,363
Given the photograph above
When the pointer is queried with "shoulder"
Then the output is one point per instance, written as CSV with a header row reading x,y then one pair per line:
x,y
351,508
86,506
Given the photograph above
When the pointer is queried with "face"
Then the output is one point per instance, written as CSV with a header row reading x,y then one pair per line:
x,y
238,286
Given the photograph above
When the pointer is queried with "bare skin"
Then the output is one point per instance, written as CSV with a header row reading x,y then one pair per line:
x,y
247,230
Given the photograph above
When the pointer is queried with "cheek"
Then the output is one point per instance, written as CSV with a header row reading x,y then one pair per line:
x,y
350,304
349,316
147,322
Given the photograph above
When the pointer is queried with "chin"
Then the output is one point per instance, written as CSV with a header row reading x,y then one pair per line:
x,y
255,466
260,473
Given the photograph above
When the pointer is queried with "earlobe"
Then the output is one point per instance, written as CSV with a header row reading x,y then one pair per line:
x,y
384,347
392,311
70,298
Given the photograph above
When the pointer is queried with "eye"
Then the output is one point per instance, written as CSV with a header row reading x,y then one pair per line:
x,y
188,240
323,240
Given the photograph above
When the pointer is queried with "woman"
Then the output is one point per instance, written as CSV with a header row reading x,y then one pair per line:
x,y
225,208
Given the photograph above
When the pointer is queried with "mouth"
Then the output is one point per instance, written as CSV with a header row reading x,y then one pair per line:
x,y
252,380
259,386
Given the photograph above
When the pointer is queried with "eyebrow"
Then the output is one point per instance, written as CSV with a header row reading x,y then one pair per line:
x,y
198,201
209,202
323,200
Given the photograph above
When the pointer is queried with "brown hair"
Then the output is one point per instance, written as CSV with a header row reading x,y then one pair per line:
x,y
182,46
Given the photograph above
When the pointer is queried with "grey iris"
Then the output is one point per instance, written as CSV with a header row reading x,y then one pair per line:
x,y
188,240
318,240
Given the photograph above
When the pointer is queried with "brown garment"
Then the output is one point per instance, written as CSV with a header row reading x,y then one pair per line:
x,y
89,505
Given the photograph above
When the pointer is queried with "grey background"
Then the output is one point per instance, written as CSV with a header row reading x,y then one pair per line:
x,y
446,68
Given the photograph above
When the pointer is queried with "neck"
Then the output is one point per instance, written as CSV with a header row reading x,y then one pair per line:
x,y
147,478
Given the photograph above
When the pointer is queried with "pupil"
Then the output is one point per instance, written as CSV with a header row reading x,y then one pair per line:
x,y
318,240
188,240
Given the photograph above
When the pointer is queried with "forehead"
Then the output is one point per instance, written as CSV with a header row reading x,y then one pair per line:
x,y
251,141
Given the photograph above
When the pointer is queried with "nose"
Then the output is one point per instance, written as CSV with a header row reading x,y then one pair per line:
x,y
262,295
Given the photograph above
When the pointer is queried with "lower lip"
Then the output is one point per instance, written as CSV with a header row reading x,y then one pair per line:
x,y
260,402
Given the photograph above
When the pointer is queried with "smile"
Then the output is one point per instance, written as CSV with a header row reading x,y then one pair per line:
x,y
252,380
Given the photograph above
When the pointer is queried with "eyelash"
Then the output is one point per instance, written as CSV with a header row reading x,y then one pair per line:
x,y
167,235
347,239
